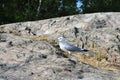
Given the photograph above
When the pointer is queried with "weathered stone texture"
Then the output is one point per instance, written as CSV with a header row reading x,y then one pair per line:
x,y
29,50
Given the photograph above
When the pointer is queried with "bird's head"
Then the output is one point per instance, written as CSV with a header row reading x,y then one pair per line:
x,y
61,39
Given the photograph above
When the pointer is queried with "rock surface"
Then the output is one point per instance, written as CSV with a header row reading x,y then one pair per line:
x,y
29,50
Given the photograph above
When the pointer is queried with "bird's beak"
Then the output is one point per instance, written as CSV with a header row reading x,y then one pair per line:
x,y
59,38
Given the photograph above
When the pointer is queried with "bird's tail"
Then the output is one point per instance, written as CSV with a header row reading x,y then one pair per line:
x,y
84,50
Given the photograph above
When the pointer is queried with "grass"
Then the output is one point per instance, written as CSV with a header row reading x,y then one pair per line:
x,y
118,79
2,30
41,38
98,60
98,64
101,56
15,32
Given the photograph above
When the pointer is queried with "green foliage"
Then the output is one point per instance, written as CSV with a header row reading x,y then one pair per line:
x,y
100,6
28,10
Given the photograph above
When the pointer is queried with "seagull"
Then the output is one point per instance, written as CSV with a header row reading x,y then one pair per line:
x,y
67,47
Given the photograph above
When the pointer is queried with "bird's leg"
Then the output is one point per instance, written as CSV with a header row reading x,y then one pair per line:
x,y
69,54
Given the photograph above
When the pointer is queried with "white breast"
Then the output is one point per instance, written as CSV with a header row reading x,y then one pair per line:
x,y
62,47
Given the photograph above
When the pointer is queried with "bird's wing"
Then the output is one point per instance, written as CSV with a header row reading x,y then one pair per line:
x,y
71,47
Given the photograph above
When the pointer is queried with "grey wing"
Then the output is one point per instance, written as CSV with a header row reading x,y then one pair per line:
x,y
73,48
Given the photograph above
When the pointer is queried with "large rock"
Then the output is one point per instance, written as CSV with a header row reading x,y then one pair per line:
x,y
29,51
96,31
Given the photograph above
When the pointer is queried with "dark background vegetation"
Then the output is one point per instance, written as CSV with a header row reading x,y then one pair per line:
x,y
28,10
